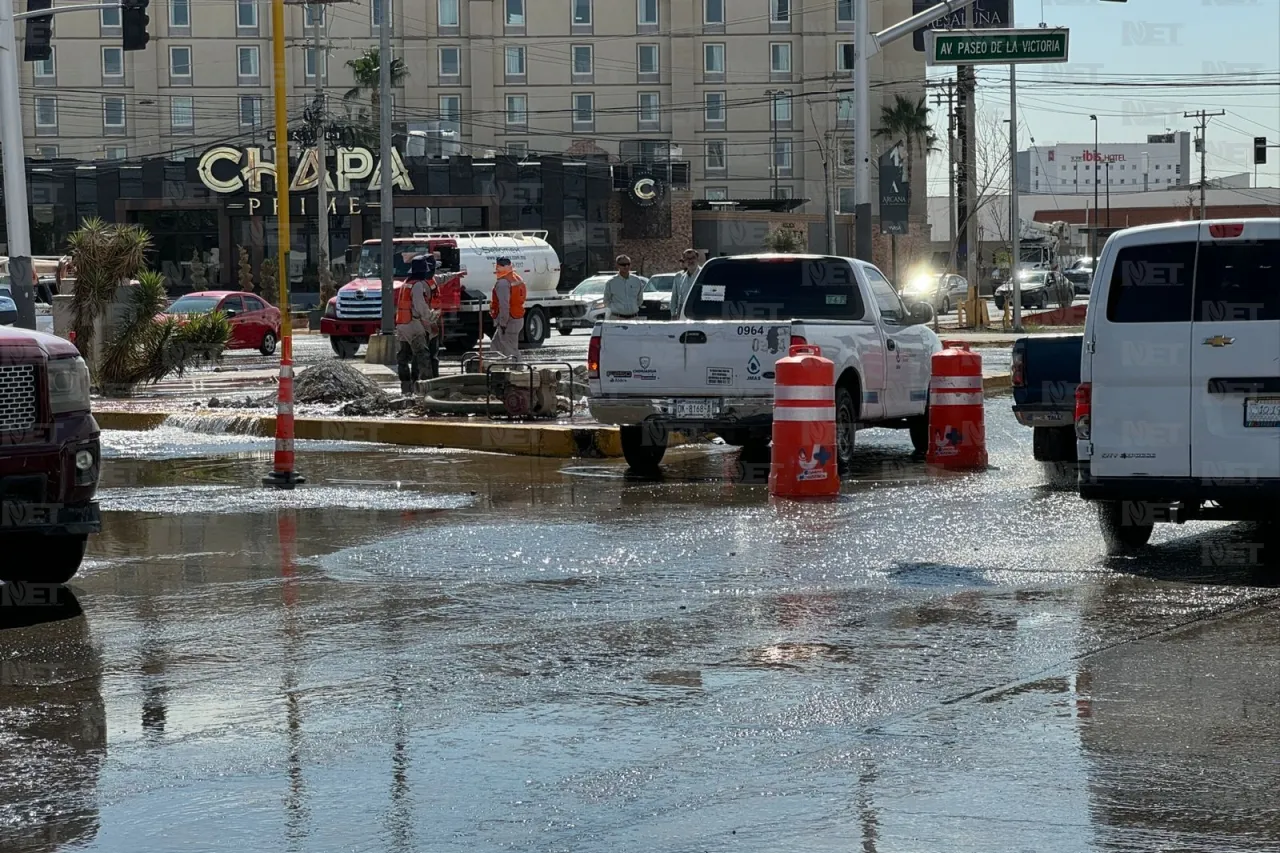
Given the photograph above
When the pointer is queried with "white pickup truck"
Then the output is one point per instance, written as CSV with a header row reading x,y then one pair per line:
x,y
712,369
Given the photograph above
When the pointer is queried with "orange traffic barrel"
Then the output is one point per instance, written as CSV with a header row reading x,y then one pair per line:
x,y
957,427
803,464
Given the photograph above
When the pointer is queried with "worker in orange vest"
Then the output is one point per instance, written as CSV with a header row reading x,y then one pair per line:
x,y
506,306
418,324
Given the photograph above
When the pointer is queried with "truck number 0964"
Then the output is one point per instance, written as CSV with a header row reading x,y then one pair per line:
x,y
751,330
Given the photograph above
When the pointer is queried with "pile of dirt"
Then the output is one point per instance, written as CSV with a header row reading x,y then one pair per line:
x,y
377,405
243,403
334,381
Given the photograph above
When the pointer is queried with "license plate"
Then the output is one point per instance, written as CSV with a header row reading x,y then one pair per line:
x,y
1262,412
694,408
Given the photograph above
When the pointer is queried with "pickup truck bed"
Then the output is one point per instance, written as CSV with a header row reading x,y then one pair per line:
x,y
1046,372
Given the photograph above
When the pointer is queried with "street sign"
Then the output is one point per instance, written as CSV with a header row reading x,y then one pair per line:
x,y
987,14
895,194
995,47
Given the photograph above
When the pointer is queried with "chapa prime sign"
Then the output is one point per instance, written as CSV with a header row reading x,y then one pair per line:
x,y
226,170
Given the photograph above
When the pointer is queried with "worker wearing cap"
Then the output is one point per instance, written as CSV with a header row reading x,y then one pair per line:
x,y
506,306
417,325
623,293
684,282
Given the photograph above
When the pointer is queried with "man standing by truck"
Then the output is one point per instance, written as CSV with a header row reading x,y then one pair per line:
x,y
622,293
506,306
684,282
417,325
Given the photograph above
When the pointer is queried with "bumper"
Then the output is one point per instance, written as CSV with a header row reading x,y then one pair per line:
x,y
49,519
1036,416
362,329
733,412
1259,494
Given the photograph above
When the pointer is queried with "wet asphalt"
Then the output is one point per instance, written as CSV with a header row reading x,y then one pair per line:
x,y
428,651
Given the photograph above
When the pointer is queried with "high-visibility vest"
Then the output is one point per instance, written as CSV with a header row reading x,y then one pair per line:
x,y
518,294
404,300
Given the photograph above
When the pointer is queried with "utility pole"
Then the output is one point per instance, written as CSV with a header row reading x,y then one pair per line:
x,y
15,173
383,351
830,197
949,85
965,88
773,120
1204,128
1093,236
322,189
1015,222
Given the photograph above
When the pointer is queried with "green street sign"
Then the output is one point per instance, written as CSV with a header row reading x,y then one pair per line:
x,y
995,47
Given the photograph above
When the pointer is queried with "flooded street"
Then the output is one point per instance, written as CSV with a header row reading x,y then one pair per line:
x,y
443,650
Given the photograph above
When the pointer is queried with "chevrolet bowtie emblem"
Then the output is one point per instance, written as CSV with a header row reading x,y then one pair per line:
x,y
1219,341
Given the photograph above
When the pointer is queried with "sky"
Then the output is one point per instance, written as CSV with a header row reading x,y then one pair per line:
x,y
1168,57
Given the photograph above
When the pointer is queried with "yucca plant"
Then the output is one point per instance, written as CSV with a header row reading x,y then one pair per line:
x,y
104,256
785,241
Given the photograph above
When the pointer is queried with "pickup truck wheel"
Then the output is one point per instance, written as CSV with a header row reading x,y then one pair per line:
x,y
59,559
644,446
919,429
565,330
535,328
999,300
846,427
1126,526
1053,444
344,347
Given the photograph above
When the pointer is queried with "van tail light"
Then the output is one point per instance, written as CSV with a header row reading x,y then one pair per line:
x,y
1223,230
1019,368
798,341
1084,409
593,357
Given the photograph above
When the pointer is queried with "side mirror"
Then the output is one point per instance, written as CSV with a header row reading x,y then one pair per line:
x,y
920,312
229,313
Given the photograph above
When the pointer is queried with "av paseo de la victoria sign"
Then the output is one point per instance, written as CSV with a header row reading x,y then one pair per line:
x,y
227,170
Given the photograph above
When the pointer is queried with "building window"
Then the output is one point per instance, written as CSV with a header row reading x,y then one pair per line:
x,y
713,58
716,193
47,68
179,13
518,149
780,57
713,102
844,11
782,108
375,13
248,61
846,202
647,12
247,14
182,113
110,18
47,111
313,15
517,109
113,62
115,152
447,11
451,108
584,109
250,111
648,108
717,158
113,111
310,64
180,62
782,192
713,12
47,152
779,11
583,60
582,13
647,59
450,62
514,61
782,157
515,13
844,56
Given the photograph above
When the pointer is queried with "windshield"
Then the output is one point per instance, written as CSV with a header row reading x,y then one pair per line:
x,y
1033,278
403,254
591,287
663,282
786,289
194,305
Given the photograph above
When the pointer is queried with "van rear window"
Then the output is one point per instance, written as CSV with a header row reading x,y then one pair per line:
x,y
1152,284
775,290
1238,281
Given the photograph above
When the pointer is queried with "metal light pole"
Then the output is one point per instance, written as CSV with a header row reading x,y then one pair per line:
x,y
773,119
322,189
1094,235
1015,223
1108,195
382,347
15,173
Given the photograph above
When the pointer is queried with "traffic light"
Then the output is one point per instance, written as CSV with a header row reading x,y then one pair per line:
x,y
133,24
39,33
1260,150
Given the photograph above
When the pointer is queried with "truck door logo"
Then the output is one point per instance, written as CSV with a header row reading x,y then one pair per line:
x,y
1219,341
753,366
644,362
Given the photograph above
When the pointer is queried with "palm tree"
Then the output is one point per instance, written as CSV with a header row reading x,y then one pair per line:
x,y
366,70
908,121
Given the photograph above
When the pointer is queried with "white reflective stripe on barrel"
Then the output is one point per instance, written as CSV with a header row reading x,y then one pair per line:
x,y
951,398
956,383
820,393
807,414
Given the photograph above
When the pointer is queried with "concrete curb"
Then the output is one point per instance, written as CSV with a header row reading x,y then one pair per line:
x,y
553,440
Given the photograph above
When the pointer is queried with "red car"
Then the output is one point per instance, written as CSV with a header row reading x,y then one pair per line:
x,y
254,323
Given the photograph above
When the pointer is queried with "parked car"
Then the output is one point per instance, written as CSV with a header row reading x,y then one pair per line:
x,y
44,305
590,292
49,458
713,371
656,302
957,287
933,288
1177,415
1040,288
254,323
1046,372
1080,274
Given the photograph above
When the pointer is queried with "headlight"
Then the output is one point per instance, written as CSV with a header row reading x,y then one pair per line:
x,y
68,385
331,309
599,303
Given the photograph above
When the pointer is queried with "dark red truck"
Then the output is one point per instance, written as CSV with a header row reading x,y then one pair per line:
x,y
49,458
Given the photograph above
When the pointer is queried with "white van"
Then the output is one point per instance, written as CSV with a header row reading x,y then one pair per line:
x,y
1178,409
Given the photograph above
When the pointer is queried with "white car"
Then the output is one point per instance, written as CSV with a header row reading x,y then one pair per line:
x,y
713,370
591,293
9,309
1178,409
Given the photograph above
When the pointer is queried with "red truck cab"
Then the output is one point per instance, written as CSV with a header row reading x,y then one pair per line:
x,y
50,458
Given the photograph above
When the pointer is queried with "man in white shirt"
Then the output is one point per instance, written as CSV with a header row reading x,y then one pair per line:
x,y
684,282
623,293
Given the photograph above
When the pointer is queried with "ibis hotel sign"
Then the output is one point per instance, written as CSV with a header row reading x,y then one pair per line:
x,y
224,169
